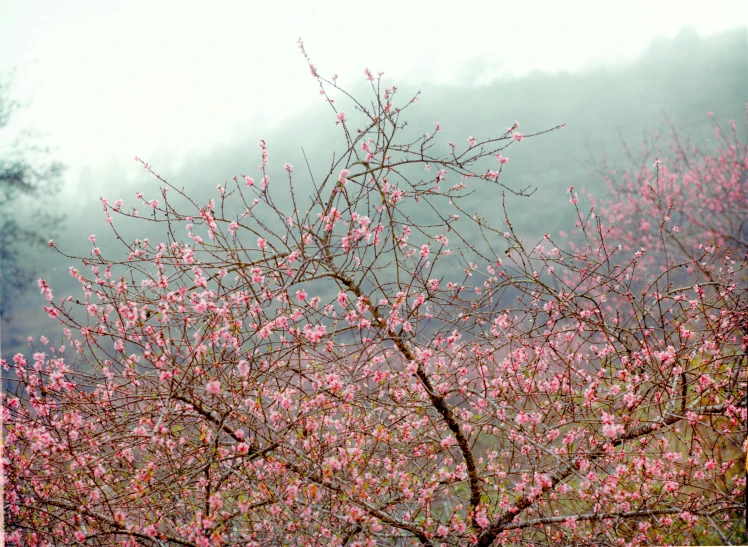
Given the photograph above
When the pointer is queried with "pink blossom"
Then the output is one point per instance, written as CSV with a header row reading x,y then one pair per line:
x,y
446,442
611,429
257,276
480,517
265,331
314,335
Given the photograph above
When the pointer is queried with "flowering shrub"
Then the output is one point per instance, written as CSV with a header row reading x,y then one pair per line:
x,y
687,199
351,371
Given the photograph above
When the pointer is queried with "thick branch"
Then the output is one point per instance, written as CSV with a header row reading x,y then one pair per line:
x,y
439,402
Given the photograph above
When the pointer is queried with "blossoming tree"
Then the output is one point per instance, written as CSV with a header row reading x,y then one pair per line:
x,y
360,368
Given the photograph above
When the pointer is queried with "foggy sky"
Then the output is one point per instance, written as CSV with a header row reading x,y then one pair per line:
x,y
108,81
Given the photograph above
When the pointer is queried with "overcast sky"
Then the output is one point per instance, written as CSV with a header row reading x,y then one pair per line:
x,y
109,80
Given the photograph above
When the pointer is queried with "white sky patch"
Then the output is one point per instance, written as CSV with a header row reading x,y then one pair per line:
x,y
107,81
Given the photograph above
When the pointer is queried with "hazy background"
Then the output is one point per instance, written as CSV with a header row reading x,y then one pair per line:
x,y
191,88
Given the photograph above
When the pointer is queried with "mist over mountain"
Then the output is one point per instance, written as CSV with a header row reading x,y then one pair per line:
x,y
685,78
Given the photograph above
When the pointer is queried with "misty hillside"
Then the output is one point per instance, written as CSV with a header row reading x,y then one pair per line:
x,y
684,78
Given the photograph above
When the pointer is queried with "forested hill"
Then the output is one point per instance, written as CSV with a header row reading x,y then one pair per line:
x,y
685,78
